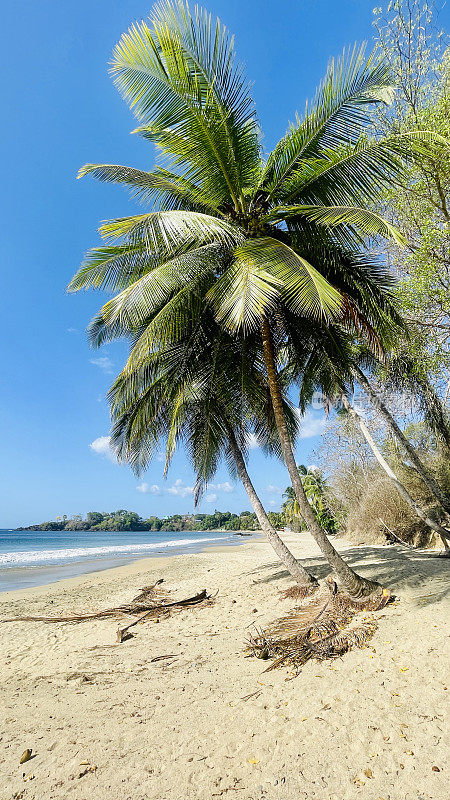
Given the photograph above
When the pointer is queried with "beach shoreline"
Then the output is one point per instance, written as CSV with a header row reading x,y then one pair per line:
x,y
209,722
106,574
28,563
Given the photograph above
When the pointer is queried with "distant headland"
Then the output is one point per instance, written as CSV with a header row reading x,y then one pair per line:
x,y
123,520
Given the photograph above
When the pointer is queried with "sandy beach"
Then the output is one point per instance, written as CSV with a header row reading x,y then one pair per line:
x,y
103,720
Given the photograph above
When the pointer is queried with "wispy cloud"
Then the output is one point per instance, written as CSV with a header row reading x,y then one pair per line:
x,y
273,503
104,363
72,330
226,487
146,488
211,497
311,425
271,489
102,446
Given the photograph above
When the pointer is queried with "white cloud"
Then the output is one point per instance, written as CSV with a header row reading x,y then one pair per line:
x,y
146,488
210,498
102,446
104,363
273,503
161,456
271,489
311,425
252,441
72,330
180,489
226,487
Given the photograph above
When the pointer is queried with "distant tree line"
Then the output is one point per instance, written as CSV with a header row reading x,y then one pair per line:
x,y
123,520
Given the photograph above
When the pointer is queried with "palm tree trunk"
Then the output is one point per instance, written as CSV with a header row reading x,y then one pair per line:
x,y
403,492
420,468
299,574
354,584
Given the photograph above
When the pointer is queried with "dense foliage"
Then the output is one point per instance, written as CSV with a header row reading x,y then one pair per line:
x,y
130,521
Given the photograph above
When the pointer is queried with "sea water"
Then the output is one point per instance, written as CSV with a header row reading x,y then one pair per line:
x,y
34,558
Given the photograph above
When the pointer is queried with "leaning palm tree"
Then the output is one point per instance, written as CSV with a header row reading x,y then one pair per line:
x,y
233,230
329,362
204,389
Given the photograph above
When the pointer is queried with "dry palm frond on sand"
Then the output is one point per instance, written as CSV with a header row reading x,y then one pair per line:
x,y
150,602
322,627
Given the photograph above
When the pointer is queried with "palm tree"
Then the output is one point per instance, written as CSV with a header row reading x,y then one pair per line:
x,y
330,363
202,389
232,229
426,477
314,485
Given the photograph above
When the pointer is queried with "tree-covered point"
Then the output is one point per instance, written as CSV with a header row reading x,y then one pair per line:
x,y
130,521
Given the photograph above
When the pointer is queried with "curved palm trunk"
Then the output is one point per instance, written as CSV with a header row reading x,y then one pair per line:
x,y
403,492
299,574
354,584
420,468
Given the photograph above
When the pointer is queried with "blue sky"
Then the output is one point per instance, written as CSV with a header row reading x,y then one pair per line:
x,y
62,111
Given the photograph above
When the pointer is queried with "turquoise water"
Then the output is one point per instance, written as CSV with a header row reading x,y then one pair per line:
x,y
34,558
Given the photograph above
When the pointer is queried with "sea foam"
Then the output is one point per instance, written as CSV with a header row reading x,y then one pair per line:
x,y
29,557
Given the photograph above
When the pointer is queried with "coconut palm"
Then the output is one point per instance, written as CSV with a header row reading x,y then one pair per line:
x,y
205,389
245,234
314,486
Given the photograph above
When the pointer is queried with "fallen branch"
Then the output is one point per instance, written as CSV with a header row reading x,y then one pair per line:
x,y
161,608
148,603
394,535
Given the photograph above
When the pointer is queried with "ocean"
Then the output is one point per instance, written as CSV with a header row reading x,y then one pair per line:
x,y
34,558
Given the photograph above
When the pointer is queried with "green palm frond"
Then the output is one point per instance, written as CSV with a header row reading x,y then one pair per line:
x,y
265,270
357,172
365,222
167,326
165,232
179,72
336,117
112,268
172,192
245,293
141,300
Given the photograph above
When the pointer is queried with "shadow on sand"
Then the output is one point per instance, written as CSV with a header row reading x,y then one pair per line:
x,y
395,567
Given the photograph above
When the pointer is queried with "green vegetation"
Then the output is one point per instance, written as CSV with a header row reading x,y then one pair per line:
x,y
317,489
130,521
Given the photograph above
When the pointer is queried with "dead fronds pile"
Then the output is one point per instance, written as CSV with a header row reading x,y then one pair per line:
x,y
322,627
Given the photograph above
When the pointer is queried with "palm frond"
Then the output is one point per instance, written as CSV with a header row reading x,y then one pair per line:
x,y
336,117
111,268
263,271
179,72
165,232
135,305
357,173
366,222
171,191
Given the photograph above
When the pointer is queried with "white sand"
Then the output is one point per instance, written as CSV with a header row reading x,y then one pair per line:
x,y
370,725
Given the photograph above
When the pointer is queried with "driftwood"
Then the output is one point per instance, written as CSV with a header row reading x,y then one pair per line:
x,y
148,603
